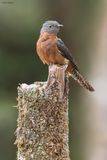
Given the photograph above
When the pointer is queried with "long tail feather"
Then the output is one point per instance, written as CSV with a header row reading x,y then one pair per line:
x,y
81,80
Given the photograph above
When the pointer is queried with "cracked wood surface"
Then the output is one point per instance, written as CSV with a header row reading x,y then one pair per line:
x,y
42,124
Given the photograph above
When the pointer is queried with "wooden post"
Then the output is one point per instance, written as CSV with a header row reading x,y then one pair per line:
x,y
42,130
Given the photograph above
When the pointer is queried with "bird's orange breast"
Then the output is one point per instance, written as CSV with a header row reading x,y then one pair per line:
x,y
48,51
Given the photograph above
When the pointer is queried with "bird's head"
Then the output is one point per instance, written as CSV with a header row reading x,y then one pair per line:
x,y
51,27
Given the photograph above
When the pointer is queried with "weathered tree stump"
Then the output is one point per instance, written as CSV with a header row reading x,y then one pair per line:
x,y
42,130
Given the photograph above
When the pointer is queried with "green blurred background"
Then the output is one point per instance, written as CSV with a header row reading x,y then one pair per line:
x,y
20,23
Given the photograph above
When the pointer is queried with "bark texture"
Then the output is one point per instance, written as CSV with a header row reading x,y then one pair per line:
x,y
42,131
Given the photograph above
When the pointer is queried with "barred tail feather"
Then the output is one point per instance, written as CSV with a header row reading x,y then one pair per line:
x,y
81,80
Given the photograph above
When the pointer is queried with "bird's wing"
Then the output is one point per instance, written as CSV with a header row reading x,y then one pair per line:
x,y
66,53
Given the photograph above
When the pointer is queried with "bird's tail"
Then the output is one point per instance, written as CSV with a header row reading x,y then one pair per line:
x,y
81,80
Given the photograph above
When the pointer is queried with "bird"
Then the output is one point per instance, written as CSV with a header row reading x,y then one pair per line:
x,y
52,50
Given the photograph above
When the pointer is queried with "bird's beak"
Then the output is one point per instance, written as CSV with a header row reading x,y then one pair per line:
x,y
60,25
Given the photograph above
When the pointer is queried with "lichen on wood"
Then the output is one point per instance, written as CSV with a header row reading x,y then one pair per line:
x,y
42,130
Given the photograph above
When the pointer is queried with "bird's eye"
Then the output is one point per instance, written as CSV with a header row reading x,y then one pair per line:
x,y
50,26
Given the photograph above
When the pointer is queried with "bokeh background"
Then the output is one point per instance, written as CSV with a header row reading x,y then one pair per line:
x,y
85,34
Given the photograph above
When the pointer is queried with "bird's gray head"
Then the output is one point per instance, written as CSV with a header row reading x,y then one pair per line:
x,y
51,27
